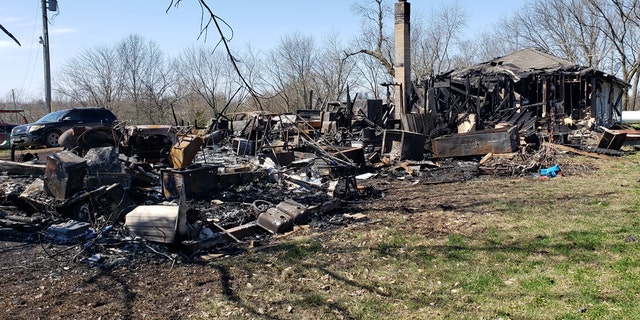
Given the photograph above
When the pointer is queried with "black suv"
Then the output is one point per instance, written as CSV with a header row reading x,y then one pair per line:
x,y
47,129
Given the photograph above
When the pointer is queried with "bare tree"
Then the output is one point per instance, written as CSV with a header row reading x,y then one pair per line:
x,y
621,25
434,43
493,43
206,19
565,28
370,74
142,70
158,91
374,20
131,77
289,70
91,78
209,75
332,71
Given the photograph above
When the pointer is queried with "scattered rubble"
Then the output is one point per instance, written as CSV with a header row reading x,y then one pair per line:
x,y
248,178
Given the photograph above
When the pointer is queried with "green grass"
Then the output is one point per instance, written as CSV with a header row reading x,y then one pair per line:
x,y
512,248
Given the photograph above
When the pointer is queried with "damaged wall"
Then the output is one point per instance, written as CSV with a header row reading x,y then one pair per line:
x,y
514,89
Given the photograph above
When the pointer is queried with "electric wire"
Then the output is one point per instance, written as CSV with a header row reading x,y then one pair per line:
x,y
33,40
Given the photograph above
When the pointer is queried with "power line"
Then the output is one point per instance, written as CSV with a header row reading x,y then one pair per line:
x,y
33,39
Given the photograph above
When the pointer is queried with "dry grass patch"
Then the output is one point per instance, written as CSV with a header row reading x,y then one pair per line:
x,y
517,248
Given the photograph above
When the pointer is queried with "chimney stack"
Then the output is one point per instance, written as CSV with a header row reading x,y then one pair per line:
x,y
402,63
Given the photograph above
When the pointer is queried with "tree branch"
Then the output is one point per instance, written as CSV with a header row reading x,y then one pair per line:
x,y
9,34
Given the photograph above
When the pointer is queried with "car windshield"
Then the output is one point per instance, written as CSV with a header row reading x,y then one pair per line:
x,y
52,117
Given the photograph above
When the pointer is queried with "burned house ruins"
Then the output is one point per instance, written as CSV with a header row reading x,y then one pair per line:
x,y
253,175
529,89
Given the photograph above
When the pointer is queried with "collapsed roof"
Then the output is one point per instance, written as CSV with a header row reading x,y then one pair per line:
x,y
526,62
520,89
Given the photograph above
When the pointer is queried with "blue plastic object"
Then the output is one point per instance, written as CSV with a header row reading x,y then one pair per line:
x,y
551,171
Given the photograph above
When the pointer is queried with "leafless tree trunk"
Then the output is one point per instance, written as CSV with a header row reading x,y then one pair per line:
x,y
158,94
374,32
137,57
371,74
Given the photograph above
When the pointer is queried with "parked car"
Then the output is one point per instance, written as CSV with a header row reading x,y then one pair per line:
x,y
47,130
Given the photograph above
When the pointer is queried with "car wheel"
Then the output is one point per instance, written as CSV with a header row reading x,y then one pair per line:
x,y
51,139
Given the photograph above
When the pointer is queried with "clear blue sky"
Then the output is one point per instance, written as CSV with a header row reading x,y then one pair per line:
x,y
86,24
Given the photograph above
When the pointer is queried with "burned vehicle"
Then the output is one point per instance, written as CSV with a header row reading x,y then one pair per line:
x,y
146,143
46,130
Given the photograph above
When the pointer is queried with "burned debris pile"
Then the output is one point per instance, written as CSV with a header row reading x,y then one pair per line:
x,y
241,180
246,177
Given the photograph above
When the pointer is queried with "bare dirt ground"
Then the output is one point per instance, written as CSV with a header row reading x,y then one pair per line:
x,y
44,281
41,281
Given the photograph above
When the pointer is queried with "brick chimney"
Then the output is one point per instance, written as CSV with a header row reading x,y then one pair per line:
x,y
402,62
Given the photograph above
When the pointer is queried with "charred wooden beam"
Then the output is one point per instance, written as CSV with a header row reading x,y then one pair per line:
x,y
19,168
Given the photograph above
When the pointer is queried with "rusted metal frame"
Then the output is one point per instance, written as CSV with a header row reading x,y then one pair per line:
x,y
267,128
305,123
476,143
242,132
284,134
318,148
228,235
315,146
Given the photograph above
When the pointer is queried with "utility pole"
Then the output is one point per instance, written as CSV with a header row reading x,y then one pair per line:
x,y
53,6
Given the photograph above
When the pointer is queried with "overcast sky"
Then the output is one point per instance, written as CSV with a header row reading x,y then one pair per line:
x,y
87,24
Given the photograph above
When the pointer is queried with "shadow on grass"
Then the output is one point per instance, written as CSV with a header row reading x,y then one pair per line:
x,y
574,246
229,293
